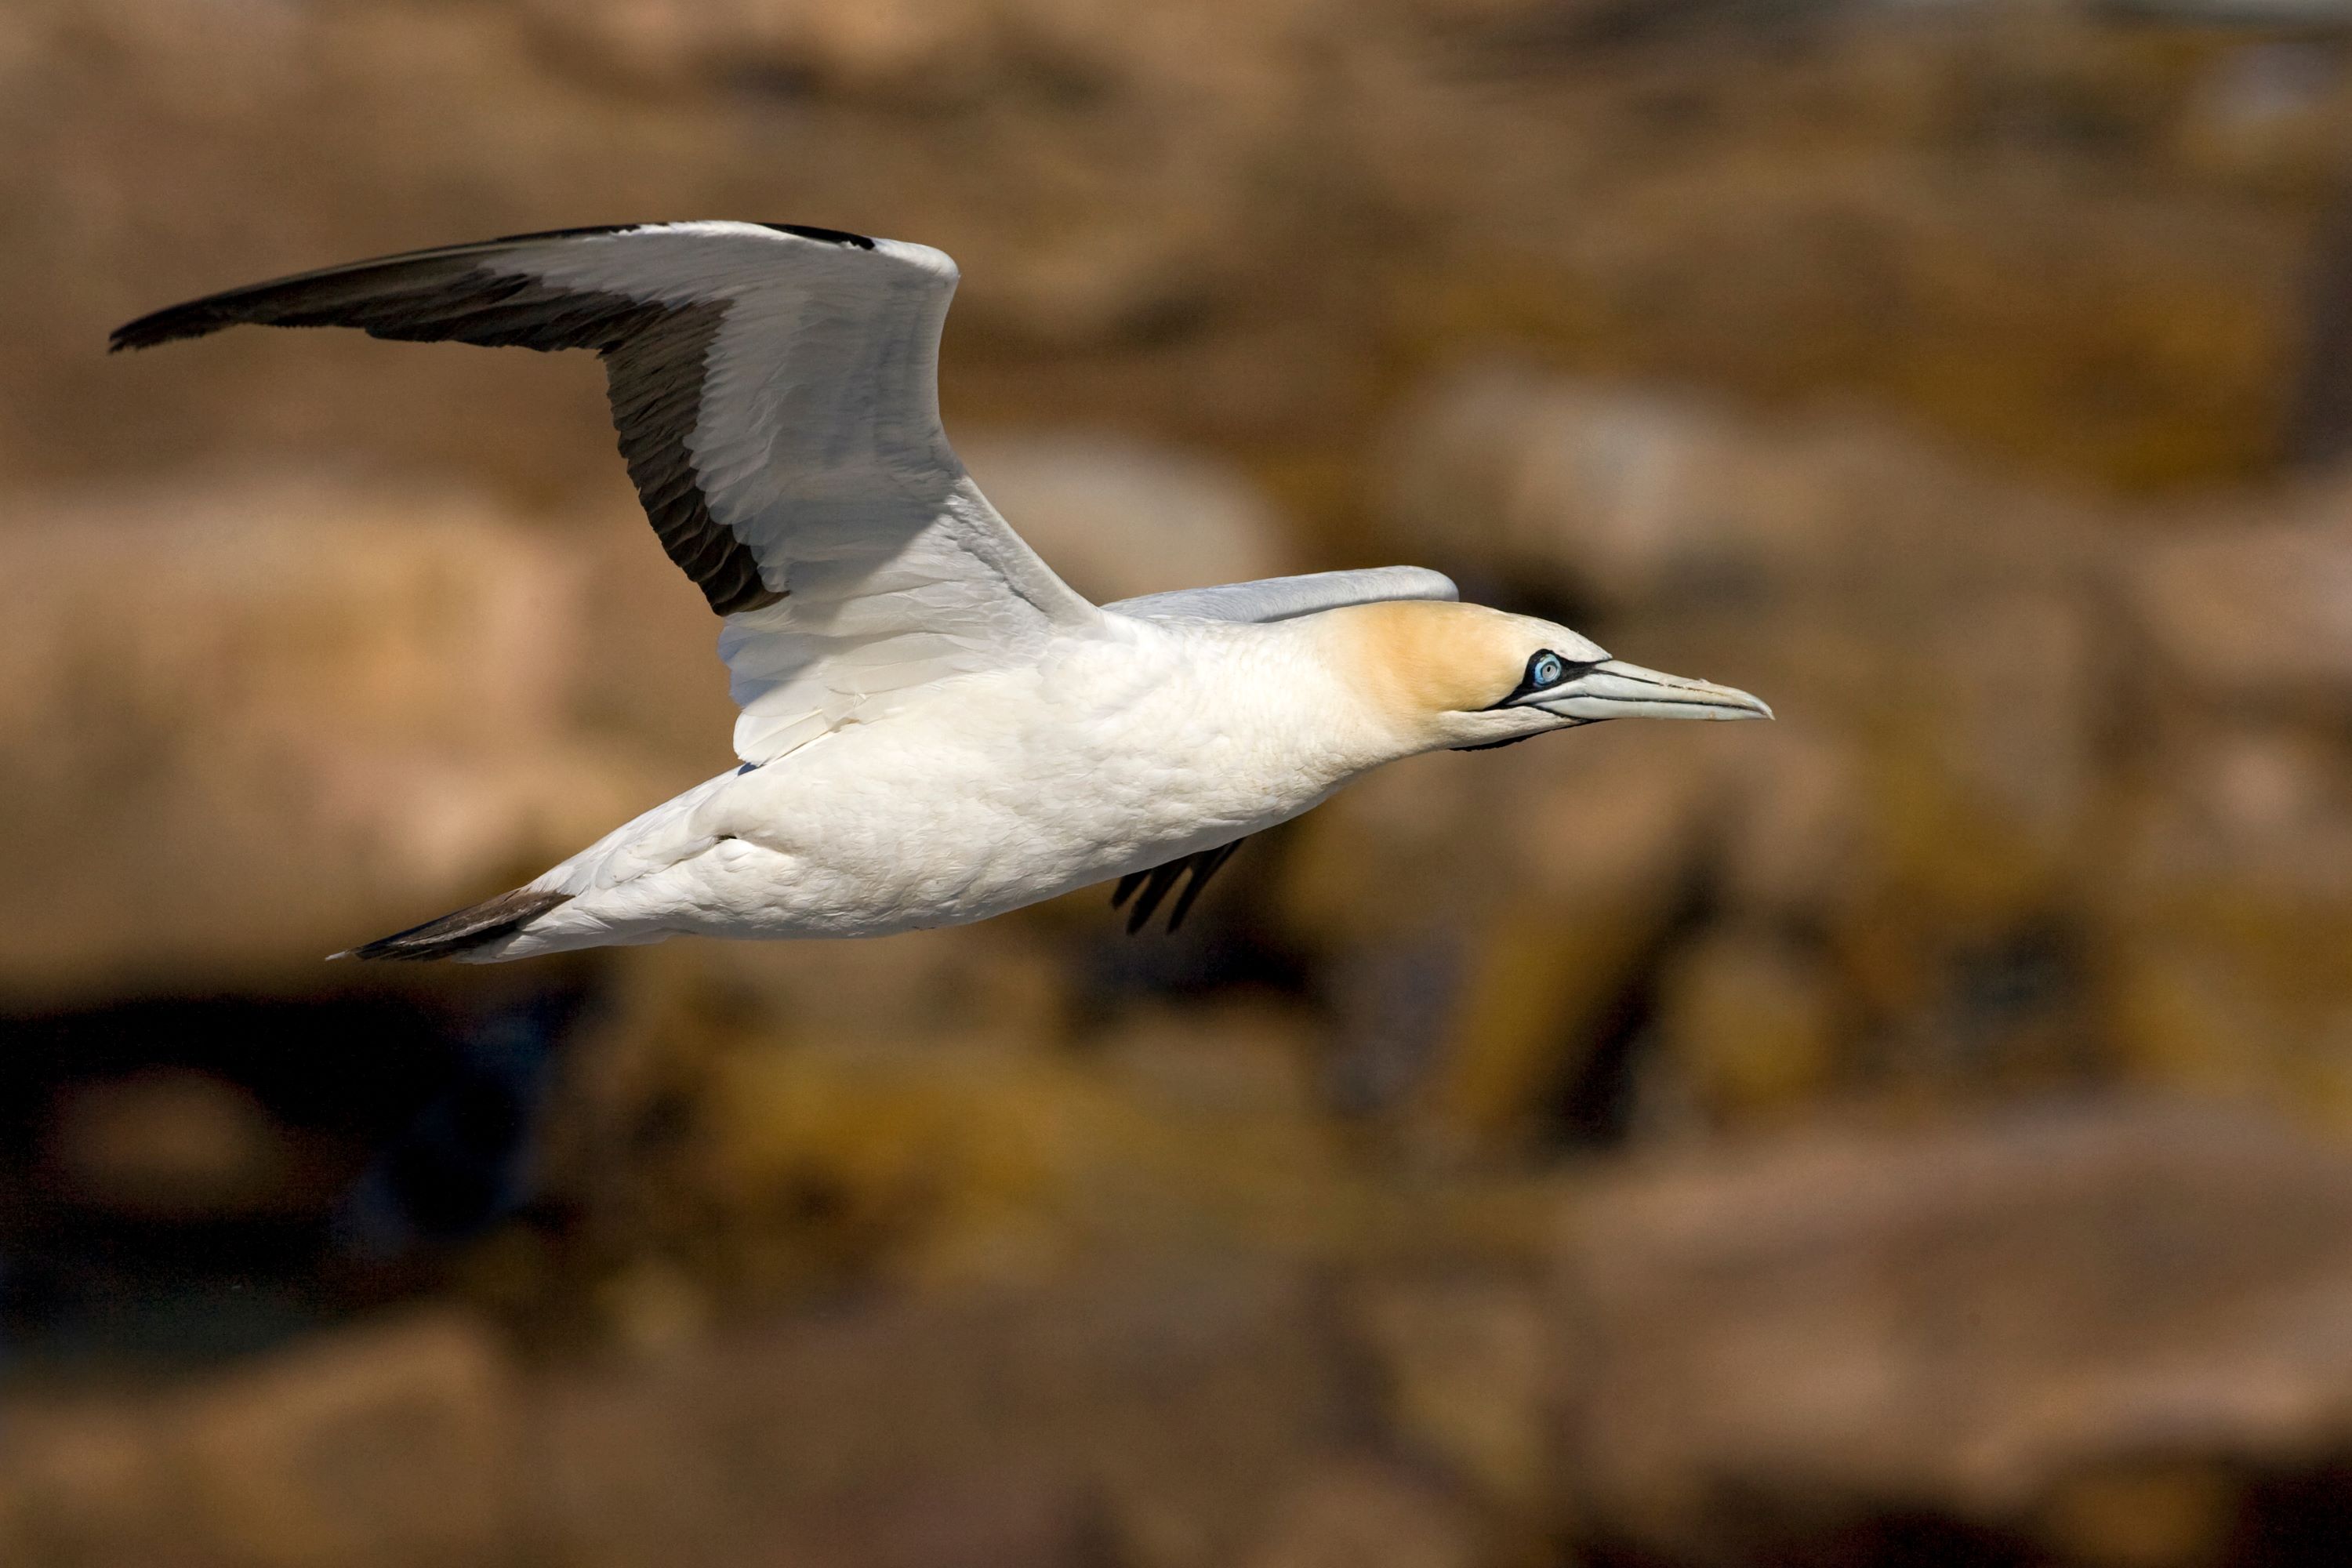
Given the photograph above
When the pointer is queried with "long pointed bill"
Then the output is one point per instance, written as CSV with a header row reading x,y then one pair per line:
x,y
1615,689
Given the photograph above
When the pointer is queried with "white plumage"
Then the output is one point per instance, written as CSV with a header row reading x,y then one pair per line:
x,y
934,727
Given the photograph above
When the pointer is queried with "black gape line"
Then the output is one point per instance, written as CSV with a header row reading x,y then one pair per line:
x,y
1545,670
1156,882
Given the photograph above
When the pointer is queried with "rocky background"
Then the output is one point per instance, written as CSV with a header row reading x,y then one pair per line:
x,y
1915,1132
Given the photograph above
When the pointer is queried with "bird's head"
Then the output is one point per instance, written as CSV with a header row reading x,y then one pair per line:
x,y
1464,677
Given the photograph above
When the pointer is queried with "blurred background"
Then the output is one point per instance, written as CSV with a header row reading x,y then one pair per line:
x,y
1915,1132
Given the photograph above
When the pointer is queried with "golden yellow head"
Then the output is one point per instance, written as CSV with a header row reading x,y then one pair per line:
x,y
1463,676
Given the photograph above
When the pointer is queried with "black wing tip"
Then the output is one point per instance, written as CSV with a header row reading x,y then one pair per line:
x,y
198,318
476,925
165,326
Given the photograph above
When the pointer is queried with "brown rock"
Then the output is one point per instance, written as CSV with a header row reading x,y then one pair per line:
x,y
1933,639
168,1142
1855,222
1603,853
92,1486
1748,1024
2225,925
395,1444
1618,495
1798,824
2255,614
987,1517
889,47
258,722
2022,1324
1491,906
824,1161
1151,1416
2145,1513
1466,1368
1363,1515
786,1113
1118,517
765,1120
1394,854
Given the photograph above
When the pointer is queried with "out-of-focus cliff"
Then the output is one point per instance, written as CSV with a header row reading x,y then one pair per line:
x,y
1911,1132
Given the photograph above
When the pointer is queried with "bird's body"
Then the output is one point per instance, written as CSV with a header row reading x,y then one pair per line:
x,y
935,729
1115,753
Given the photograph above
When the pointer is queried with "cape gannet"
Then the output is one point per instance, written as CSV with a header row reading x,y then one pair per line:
x,y
934,728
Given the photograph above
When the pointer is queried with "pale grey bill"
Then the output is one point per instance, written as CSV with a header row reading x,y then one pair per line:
x,y
1615,689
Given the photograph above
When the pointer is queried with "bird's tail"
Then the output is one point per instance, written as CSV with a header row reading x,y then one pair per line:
x,y
476,925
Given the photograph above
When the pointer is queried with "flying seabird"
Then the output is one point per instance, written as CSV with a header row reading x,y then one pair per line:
x,y
934,728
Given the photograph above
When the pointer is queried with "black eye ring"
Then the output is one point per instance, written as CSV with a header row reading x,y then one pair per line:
x,y
1545,670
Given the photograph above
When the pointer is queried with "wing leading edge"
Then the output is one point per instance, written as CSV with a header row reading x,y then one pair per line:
x,y
1285,598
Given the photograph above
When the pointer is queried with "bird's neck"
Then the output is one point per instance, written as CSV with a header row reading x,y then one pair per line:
x,y
1317,682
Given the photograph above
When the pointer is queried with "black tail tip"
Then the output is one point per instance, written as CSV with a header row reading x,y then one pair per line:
x,y
475,926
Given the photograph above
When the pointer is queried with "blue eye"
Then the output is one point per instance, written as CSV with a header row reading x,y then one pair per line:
x,y
1545,670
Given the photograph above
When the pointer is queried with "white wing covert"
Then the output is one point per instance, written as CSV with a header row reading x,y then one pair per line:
x,y
1285,598
775,392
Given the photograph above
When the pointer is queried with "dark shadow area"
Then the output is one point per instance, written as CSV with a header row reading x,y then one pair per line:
x,y
1593,1106
187,1178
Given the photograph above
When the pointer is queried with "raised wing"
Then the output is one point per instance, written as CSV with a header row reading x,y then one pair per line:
x,y
775,391
1281,599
